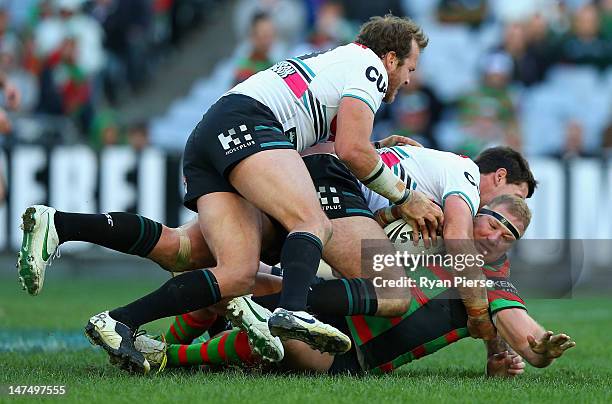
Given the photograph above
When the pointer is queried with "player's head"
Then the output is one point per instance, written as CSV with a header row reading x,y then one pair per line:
x,y
398,42
504,171
499,224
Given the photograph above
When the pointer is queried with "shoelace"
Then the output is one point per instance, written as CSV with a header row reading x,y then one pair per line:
x,y
138,333
56,254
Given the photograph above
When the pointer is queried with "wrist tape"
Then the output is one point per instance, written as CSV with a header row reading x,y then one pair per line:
x,y
382,181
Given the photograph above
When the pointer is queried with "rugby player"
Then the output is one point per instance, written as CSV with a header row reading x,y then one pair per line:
x,y
456,184
245,149
435,320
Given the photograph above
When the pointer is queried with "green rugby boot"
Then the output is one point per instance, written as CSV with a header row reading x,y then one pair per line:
x,y
38,246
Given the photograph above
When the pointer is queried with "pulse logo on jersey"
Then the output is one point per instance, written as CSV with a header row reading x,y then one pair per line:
x,y
374,76
329,198
233,141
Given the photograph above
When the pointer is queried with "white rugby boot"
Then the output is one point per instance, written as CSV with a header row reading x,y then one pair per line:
x,y
304,327
252,318
38,246
117,339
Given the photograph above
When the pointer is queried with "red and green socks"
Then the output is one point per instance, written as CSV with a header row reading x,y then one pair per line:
x,y
186,328
231,348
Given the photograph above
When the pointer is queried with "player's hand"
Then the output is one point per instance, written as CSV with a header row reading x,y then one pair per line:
x,y
505,364
424,216
481,327
551,345
397,140
12,96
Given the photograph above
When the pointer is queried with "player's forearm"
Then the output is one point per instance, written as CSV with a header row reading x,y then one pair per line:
x,y
472,290
359,157
458,238
379,177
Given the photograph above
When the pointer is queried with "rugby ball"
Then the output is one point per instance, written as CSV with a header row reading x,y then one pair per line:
x,y
400,234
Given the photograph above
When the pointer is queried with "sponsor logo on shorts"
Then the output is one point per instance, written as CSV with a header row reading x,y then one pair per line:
x,y
329,198
236,140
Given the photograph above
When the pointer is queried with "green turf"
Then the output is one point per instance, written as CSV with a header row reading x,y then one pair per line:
x,y
452,375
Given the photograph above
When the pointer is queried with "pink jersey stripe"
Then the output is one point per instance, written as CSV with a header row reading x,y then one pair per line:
x,y
389,158
296,84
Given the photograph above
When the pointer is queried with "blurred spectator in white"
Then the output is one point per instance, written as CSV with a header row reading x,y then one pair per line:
x,y
468,12
330,29
49,31
261,40
289,17
488,115
138,135
585,45
515,10
64,18
87,32
24,82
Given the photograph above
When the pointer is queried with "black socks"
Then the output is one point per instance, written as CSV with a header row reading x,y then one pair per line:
x,y
182,294
299,260
337,297
125,232
343,297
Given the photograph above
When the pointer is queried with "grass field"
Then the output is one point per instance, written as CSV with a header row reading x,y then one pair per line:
x,y
452,375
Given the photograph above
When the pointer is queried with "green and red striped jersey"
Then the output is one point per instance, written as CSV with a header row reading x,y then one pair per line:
x,y
436,318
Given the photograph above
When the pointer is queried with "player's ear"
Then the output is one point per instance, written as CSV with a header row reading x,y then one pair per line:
x,y
500,176
390,60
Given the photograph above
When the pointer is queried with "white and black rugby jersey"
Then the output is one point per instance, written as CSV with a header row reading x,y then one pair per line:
x,y
435,173
304,92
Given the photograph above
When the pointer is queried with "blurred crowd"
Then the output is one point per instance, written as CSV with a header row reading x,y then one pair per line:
x,y
532,74
73,61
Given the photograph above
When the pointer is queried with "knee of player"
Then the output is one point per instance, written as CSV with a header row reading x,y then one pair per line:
x,y
245,281
316,223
